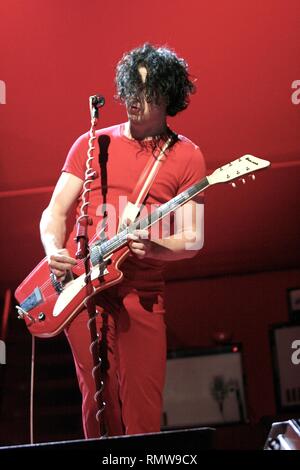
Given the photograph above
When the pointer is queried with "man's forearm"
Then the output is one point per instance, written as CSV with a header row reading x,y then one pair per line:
x,y
175,247
52,230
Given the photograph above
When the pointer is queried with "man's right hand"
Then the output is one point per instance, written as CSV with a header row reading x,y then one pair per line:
x,y
60,262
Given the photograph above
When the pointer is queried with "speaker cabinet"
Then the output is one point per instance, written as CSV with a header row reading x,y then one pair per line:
x,y
285,350
204,387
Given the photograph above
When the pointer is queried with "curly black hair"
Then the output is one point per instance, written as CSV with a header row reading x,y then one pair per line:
x,y
167,77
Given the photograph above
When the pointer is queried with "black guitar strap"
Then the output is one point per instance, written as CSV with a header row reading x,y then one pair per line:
x,y
104,142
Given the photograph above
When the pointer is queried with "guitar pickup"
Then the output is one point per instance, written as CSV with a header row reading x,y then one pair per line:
x,y
96,255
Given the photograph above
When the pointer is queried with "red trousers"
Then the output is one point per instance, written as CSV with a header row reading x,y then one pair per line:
x,y
133,344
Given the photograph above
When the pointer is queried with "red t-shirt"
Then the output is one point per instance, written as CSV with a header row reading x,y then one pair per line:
x,y
183,167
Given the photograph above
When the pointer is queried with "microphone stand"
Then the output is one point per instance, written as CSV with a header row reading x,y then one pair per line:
x,y
83,253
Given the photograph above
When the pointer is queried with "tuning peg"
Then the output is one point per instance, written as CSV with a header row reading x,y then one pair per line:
x,y
253,177
243,180
233,185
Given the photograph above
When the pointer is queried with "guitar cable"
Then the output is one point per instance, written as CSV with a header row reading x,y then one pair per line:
x,y
32,386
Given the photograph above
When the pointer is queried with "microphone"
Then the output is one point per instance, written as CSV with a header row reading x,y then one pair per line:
x,y
96,102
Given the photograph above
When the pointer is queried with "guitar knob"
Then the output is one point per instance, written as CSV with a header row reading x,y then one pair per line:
x,y
243,180
41,316
253,177
233,185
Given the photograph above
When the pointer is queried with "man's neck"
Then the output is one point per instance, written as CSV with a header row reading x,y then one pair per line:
x,y
140,132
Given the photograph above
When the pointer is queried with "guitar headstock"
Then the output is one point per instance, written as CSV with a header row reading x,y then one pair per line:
x,y
245,165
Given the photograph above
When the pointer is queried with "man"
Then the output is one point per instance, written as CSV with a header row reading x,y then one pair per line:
x,y
152,83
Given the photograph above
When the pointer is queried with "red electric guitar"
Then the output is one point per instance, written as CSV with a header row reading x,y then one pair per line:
x,y
48,305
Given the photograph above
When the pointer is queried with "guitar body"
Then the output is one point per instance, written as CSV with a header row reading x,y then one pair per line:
x,y
48,311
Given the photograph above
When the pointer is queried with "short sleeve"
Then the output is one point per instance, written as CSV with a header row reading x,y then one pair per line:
x,y
76,159
193,172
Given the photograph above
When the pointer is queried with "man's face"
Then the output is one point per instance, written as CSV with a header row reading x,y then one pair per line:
x,y
142,112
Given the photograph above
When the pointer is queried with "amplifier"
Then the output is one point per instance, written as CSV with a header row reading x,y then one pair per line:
x,y
204,386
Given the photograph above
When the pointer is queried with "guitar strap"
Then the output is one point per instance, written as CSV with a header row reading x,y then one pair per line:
x,y
142,187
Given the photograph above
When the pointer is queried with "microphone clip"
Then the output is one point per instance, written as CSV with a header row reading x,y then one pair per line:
x,y
96,102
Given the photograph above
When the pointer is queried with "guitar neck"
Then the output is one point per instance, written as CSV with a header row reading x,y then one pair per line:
x,y
118,241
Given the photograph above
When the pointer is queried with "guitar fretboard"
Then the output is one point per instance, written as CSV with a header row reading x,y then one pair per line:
x,y
118,241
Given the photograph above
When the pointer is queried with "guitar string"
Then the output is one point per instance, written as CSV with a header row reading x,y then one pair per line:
x,y
118,240
190,192
111,244
114,243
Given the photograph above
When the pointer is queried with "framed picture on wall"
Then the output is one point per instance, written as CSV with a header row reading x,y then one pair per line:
x,y
293,297
285,352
